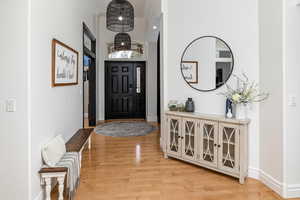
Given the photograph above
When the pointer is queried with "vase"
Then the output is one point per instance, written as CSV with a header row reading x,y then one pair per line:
x,y
241,111
189,105
229,107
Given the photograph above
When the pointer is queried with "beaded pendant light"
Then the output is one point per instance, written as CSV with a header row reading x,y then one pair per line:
x,y
122,41
120,16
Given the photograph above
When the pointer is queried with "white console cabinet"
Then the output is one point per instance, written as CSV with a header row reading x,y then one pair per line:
x,y
210,141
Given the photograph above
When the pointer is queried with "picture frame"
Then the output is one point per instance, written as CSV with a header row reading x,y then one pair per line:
x,y
64,64
190,71
87,42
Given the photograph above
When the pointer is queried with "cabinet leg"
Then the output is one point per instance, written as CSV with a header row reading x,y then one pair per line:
x,y
166,156
242,180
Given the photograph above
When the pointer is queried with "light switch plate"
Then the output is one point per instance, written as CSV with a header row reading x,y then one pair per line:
x,y
292,101
11,105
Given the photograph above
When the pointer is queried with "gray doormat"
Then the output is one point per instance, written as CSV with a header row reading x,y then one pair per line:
x,y
125,129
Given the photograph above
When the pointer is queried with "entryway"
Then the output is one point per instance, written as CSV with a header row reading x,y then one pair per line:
x,y
125,90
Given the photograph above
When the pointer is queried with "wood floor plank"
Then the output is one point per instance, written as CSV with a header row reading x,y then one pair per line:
x,y
134,169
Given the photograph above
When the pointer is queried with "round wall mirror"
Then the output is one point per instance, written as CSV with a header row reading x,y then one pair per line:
x,y
207,63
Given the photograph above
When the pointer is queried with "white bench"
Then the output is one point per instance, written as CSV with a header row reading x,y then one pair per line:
x,y
77,143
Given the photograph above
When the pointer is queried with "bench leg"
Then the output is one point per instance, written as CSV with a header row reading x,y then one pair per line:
x,y
90,142
61,180
80,158
48,188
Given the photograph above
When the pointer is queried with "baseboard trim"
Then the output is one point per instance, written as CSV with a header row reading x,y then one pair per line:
x,y
99,122
151,118
272,183
39,196
268,180
253,173
285,191
293,191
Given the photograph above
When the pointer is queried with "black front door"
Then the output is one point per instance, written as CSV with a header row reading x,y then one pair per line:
x,y
125,90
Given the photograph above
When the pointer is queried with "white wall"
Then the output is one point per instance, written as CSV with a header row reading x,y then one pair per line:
x,y
271,79
14,134
292,150
234,21
153,16
151,79
279,49
55,110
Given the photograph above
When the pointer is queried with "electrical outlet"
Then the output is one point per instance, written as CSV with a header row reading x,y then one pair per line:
x,y
11,105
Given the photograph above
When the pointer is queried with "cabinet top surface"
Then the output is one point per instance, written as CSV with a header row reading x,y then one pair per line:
x,y
219,118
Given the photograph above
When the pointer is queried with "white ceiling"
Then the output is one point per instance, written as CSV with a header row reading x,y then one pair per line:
x,y
139,7
150,10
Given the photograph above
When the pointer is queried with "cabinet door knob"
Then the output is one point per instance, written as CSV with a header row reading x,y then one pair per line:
x,y
215,145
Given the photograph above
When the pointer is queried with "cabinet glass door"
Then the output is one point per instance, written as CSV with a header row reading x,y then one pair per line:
x,y
188,142
174,136
229,148
208,149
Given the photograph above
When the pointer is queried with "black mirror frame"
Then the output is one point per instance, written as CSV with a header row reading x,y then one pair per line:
x,y
190,44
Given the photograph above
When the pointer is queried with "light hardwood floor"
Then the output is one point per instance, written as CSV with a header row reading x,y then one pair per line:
x,y
134,169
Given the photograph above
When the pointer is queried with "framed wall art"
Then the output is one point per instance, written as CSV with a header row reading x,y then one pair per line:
x,y
64,64
190,71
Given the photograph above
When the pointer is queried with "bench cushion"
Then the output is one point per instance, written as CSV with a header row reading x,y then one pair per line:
x,y
53,151
76,143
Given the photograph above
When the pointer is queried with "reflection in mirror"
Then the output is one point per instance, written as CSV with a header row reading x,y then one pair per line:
x,y
207,63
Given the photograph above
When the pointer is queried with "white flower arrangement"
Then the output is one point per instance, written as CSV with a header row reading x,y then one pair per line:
x,y
246,92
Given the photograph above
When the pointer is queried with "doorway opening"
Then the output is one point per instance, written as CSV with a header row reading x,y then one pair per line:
x,y
145,46
125,90
89,77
